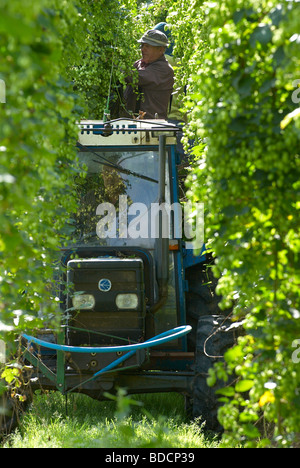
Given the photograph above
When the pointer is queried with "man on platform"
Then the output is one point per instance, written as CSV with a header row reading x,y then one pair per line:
x,y
155,79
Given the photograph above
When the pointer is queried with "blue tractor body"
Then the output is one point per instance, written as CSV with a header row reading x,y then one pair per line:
x,y
137,303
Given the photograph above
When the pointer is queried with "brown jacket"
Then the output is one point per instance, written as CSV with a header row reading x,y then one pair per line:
x,y
156,82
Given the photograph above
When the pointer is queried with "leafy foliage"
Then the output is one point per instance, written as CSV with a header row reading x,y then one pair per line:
x,y
107,42
242,74
36,132
239,60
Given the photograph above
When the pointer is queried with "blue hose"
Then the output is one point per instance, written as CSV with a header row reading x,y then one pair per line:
x,y
132,349
157,340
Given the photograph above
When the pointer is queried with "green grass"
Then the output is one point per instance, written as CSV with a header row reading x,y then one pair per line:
x,y
143,421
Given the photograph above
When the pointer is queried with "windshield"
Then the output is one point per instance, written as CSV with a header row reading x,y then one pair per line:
x,y
117,185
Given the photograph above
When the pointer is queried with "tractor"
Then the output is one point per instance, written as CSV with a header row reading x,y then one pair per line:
x,y
137,296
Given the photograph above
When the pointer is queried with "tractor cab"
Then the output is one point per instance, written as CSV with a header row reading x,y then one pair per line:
x,y
125,272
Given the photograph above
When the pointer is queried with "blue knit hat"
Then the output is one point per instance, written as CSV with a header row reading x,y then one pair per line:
x,y
163,27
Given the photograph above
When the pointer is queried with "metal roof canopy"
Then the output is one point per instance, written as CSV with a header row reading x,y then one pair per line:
x,y
125,132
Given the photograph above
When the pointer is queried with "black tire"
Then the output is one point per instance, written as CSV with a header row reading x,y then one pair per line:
x,y
214,338
201,298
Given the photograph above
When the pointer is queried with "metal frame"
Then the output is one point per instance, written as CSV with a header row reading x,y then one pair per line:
x,y
68,381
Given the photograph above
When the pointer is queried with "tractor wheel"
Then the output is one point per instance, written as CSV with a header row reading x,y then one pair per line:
x,y
201,298
214,338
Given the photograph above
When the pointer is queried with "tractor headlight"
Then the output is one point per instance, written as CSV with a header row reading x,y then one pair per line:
x,y
83,301
127,301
